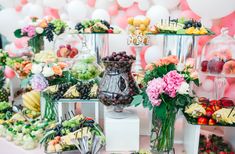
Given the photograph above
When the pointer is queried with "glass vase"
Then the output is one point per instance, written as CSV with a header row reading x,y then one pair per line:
x,y
162,132
36,43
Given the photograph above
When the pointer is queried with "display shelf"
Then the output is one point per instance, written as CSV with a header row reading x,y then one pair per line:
x,y
63,100
216,75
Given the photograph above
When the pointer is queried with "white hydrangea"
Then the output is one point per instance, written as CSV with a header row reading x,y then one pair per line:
x,y
39,30
47,71
36,68
180,67
184,88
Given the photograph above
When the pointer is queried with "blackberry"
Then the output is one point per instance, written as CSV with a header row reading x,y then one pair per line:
x,y
79,26
105,23
49,32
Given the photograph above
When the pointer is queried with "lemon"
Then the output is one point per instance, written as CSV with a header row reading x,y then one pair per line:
x,y
137,22
130,20
142,27
146,21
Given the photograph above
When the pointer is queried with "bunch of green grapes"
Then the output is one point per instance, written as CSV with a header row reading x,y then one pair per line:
x,y
59,26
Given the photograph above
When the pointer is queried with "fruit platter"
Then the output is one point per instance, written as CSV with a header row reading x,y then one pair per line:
x,y
180,26
211,112
78,133
218,57
96,26
214,144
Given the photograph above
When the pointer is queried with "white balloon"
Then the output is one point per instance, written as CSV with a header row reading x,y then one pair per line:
x,y
156,13
55,4
141,17
208,85
64,16
207,22
10,19
101,14
169,4
218,9
77,11
125,3
102,4
176,13
32,10
152,54
143,5
8,3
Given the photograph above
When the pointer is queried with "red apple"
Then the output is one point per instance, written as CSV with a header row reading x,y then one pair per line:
x,y
73,52
211,122
225,102
202,120
209,113
215,66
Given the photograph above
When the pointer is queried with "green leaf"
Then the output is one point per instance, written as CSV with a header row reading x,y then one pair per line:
x,y
196,81
18,33
137,100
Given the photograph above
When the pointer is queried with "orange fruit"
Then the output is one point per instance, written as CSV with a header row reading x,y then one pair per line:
x,y
137,22
146,21
229,67
142,27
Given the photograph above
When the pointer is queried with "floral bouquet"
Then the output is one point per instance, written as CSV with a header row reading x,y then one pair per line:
x,y
166,90
38,28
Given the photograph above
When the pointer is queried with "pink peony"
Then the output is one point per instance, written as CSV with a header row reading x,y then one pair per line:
x,y
29,30
173,81
154,89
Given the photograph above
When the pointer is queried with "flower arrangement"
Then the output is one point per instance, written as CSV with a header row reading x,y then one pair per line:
x,y
211,112
38,28
166,90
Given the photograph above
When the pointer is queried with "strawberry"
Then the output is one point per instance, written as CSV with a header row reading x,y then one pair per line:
x,y
202,120
88,118
212,122
110,31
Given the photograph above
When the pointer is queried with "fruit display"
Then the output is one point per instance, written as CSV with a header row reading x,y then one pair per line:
x,y
4,107
23,68
96,26
4,94
211,112
213,144
64,135
180,26
218,55
31,100
138,28
45,56
85,67
66,51
117,85
22,132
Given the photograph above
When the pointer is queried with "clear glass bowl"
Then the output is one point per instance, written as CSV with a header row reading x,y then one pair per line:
x,y
218,56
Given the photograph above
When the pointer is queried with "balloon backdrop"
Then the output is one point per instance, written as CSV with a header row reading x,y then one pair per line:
x,y
77,11
101,14
169,4
156,13
153,53
218,9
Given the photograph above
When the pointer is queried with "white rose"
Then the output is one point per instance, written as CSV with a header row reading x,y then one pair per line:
x,y
47,71
180,67
36,68
184,88
39,30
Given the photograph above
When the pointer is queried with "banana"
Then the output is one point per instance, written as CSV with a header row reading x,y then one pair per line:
x,y
72,92
51,89
31,102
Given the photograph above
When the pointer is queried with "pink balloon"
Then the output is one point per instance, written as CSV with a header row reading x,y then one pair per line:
x,y
9,73
113,9
189,14
23,2
52,12
121,20
21,42
18,8
229,22
184,5
91,3
230,92
134,11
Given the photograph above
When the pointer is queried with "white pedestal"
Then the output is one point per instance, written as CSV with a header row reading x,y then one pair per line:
x,y
122,134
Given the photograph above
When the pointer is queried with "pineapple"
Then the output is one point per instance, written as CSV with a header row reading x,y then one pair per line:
x,y
3,92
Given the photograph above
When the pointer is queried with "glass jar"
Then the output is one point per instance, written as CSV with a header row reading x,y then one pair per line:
x,y
218,56
85,67
117,86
